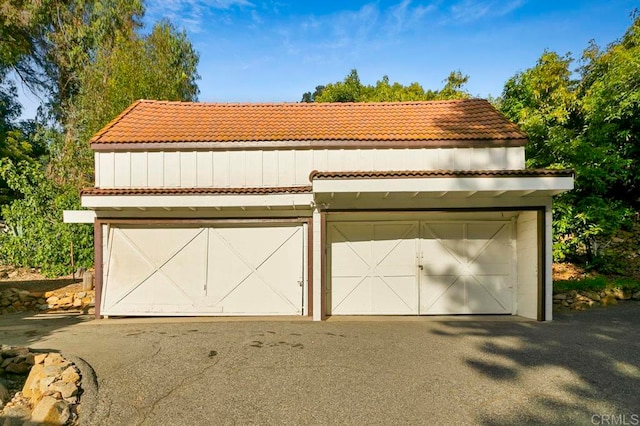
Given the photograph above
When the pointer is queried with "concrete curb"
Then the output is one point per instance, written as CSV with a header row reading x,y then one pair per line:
x,y
89,384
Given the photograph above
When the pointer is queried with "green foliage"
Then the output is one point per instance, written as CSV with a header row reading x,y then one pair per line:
x,y
589,122
90,61
598,283
36,235
161,65
351,89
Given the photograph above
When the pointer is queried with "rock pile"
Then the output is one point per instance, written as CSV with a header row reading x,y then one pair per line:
x,y
15,300
49,394
581,300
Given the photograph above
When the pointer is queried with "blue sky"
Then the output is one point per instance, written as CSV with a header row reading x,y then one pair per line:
x,y
274,51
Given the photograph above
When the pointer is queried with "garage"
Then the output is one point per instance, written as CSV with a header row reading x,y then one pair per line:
x,y
421,267
204,270
319,209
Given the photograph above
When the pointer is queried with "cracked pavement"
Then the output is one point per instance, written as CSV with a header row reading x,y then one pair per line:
x,y
202,371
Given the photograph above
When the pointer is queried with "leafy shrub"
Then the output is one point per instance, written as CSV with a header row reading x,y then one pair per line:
x,y
36,235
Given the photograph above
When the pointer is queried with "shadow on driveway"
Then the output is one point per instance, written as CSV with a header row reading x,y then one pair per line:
x,y
593,356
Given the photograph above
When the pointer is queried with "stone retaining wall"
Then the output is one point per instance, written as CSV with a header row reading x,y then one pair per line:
x,y
581,300
15,300
49,394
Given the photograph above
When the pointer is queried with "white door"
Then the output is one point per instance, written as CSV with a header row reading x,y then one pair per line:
x,y
373,268
181,270
255,271
427,268
466,268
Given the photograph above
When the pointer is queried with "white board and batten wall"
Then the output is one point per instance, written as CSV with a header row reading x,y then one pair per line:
x,y
278,168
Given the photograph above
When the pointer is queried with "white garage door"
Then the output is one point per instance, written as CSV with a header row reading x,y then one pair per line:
x,y
373,268
171,270
420,267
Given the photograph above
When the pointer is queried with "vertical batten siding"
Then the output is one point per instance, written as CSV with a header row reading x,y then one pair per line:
x,y
514,158
96,161
284,167
107,165
304,165
139,172
237,169
221,169
269,168
253,164
188,171
122,173
527,267
204,169
155,162
171,169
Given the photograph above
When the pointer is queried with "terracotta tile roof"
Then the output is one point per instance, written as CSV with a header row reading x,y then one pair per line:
x,y
188,122
315,175
197,191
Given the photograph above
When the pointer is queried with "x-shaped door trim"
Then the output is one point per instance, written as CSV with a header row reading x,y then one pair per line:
x,y
156,267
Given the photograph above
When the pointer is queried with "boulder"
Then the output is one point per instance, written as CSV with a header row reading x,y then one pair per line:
x,y
4,394
16,415
66,390
559,296
636,295
52,300
70,375
51,411
53,359
18,367
39,358
608,300
31,388
14,352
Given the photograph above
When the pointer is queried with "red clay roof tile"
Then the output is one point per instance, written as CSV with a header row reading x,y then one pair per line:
x,y
315,175
168,122
197,191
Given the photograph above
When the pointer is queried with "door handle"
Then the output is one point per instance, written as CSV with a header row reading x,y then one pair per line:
x,y
421,267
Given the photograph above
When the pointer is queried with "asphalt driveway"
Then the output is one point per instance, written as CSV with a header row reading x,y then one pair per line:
x,y
578,369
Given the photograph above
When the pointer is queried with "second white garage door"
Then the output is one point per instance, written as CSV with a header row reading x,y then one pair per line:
x,y
182,270
420,267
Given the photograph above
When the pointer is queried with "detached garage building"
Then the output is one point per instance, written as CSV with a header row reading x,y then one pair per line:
x,y
421,208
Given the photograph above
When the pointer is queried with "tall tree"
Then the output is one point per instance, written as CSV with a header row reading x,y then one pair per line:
x,y
590,123
351,89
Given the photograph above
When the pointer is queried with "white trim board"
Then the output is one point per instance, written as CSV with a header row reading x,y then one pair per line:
x,y
177,201
554,185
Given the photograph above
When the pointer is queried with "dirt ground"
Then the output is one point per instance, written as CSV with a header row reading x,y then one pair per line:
x,y
31,279
567,271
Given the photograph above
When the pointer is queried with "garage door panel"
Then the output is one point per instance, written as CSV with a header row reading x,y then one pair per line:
x,y
351,295
156,290
444,295
484,297
225,269
465,268
125,265
188,270
158,244
185,267
373,268
480,263
394,296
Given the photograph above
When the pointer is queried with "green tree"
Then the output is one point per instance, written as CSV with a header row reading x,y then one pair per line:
x,y
90,61
161,65
590,123
351,89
